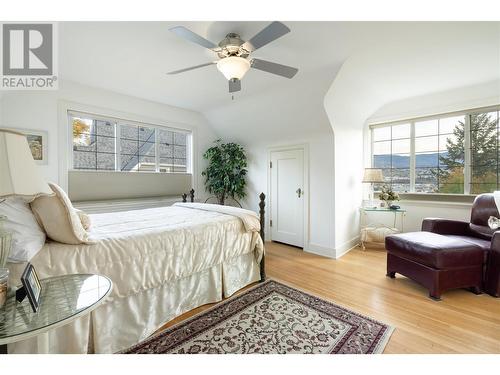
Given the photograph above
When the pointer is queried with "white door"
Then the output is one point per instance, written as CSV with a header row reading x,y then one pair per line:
x,y
287,197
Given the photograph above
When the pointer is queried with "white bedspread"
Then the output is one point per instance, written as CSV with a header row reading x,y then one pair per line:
x,y
163,262
144,249
250,219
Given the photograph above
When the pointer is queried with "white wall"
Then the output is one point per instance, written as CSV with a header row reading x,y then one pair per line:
x,y
348,189
319,191
41,110
348,103
289,114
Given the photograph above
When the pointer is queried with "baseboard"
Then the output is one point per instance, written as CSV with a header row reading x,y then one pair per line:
x,y
346,247
320,250
332,253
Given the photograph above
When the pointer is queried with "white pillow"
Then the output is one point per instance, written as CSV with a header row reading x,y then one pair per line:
x,y
27,236
57,216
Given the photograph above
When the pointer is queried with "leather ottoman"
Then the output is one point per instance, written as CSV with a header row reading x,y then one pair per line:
x,y
437,262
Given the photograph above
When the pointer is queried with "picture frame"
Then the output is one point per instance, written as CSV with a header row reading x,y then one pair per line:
x,y
32,286
37,142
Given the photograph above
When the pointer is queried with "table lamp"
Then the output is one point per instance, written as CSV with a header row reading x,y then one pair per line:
x,y
372,176
19,176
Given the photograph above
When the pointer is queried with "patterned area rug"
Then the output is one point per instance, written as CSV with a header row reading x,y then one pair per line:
x,y
271,318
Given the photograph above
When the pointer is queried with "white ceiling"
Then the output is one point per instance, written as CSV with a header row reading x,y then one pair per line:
x,y
405,58
133,57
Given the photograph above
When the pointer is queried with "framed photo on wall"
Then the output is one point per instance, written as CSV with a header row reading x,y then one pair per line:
x,y
37,141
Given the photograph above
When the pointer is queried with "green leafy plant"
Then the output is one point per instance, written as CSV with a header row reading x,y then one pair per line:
x,y
483,139
226,171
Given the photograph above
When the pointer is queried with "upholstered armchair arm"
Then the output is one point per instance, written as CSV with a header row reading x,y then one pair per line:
x,y
445,226
492,277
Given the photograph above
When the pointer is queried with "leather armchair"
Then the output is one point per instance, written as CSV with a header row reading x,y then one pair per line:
x,y
477,232
445,226
492,277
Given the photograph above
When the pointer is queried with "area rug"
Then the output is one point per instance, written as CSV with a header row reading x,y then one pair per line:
x,y
271,318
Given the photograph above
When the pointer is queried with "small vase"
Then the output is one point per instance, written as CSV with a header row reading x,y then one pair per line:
x,y
388,204
5,243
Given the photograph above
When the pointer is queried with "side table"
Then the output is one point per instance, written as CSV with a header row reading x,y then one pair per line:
x,y
63,299
364,213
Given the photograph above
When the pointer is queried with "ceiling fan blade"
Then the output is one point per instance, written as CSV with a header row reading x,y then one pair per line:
x,y
193,37
274,68
191,68
234,85
271,32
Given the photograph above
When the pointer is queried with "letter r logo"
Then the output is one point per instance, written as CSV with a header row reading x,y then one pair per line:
x,y
27,49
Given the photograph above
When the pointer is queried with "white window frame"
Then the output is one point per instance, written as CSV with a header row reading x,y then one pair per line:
x,y
119,122
412,121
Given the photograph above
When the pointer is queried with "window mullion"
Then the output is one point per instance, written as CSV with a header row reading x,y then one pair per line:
x,y
117,147
467,155
157,149
412,157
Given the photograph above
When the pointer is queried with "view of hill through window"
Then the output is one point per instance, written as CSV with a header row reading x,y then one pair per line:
x,y
438,156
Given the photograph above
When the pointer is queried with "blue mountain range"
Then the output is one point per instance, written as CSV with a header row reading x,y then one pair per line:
x,y
401,161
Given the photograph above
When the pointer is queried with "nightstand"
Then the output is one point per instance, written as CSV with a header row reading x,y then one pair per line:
x,y
63,299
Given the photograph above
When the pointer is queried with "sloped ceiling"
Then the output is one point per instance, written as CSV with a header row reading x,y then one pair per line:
x,y
381,61
409,60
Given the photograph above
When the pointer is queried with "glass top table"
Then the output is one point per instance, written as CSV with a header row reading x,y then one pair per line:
x,y
383,209
63,299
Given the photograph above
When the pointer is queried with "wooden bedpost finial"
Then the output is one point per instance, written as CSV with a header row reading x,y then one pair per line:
x,y
262,205
191,195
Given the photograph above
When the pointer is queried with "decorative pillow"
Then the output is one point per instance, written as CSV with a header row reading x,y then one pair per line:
x,y
84,219
27,236
493,222
59,218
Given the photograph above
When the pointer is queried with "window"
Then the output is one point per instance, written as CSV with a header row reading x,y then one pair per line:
x,y
391,152
439,155
484,135
119,145
452,154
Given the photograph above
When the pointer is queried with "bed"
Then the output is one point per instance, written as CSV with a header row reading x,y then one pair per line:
x,y
162,261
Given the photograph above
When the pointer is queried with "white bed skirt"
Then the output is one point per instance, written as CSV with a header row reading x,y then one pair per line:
x,y
123,322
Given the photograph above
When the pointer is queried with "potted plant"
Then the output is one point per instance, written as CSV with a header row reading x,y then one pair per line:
x,y
226,171
388,195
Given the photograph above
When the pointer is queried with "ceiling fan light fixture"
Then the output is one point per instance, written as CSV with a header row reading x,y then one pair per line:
x,y
233,67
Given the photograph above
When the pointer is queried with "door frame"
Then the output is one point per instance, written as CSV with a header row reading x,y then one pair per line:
x,y
304,147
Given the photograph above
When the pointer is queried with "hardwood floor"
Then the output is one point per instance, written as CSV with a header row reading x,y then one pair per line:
x,y
461,323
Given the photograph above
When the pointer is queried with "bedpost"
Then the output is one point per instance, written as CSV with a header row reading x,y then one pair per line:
x,y
191,195
262,204
184,198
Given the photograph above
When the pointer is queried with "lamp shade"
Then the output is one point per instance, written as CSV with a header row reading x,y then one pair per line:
x,y
373,175
233,67
19,174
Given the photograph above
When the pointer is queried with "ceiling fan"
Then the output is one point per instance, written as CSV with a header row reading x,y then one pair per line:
x,y
234,52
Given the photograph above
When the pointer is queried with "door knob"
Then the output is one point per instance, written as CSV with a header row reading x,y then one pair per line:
x,y
299,192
